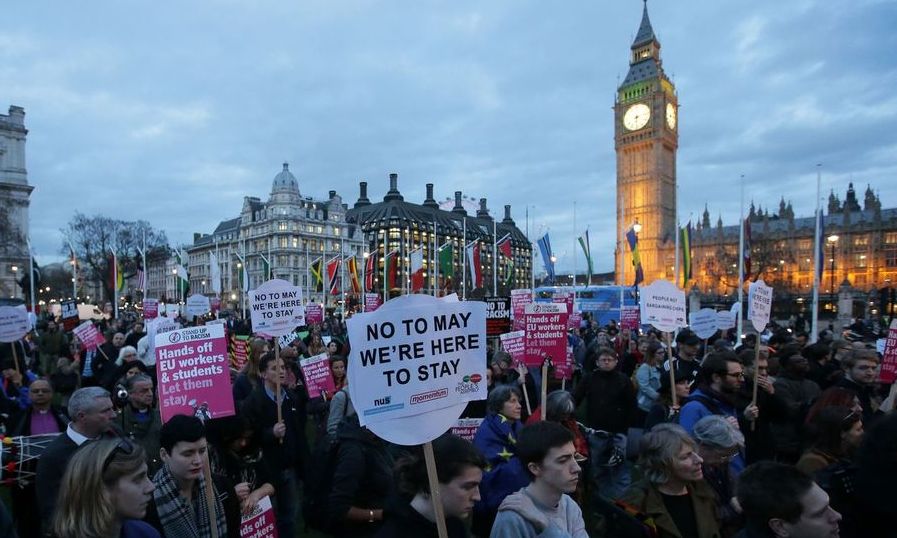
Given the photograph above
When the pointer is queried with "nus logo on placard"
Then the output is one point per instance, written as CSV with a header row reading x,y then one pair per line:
x,y
382,401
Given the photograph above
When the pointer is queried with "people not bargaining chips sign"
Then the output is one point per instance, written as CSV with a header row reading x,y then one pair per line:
x,y
194,378
276,308
662,305
416,354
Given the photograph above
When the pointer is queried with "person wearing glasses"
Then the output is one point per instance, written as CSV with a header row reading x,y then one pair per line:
x,y
719,442
798,393
105,493
835,434
721,378
673,494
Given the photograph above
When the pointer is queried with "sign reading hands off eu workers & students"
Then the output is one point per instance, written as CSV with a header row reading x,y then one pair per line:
x,y
276,308
414,365
663,305
194,376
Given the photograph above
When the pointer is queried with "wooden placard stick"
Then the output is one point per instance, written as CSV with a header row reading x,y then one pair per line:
x,y
277,396
756,377
666,338
15,359
545,363
529,407
435,496
210,494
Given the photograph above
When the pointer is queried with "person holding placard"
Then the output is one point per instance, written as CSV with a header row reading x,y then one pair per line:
x,y
282,441
249,378
459,469
663,410
236,458
544,507
686,354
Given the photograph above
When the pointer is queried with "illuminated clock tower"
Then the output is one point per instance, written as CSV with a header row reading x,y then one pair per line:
x,y
646,138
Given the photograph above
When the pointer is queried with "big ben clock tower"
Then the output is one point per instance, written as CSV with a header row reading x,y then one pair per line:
x,y
646,138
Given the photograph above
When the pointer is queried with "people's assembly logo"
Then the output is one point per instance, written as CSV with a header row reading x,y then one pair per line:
x,y
468,384
174,337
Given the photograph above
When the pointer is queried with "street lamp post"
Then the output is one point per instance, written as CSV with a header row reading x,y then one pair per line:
x,y
832,241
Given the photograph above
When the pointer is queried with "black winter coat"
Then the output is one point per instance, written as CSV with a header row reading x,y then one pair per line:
x,y
610,400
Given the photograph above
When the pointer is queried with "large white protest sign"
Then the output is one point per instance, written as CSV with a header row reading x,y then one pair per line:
x,y
415,363
759,304
13,323
276,308
197,305
155,327
663,305
703,322
725,319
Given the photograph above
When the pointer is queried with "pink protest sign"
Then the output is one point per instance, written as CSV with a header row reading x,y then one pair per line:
x,y
215,303
567,298
546,332
515,344
574,320
89,335
150,308
194,378
314,314
630,318
260,522
239,351
316,371
372,302
888,373
519,300
466,428
563,369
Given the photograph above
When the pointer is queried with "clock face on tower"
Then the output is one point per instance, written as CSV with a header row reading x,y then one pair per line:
x,y
671,116
636,116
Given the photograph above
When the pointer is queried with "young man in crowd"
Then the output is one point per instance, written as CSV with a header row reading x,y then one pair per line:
x,y
778,501
544,507
860,368
283,442
92,415
687,346
140,420
720,380
798,393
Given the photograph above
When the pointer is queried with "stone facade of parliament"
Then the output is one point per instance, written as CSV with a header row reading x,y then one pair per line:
x,y
864,254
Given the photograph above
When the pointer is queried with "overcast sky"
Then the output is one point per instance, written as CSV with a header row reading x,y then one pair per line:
x,y
173,111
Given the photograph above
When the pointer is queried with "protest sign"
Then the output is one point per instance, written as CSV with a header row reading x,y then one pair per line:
x,y
519,300
563,369
150,308
316,372
629,318
372,302
880,345
574,320
414,365
197,305
259,523
14,323
276,308
662,305
69,315
314,314
194,378
703,322
568,298
215,304
155,327
514,343
90,337
498,315
288,338
546,332
888,372
725,319
466,428
759,304
239,350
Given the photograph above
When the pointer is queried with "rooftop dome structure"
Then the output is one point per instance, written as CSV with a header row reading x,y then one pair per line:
x,y
285,189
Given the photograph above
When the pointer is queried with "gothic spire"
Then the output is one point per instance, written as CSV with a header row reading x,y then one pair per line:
x,y
645,31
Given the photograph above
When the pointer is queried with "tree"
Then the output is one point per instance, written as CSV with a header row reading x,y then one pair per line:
x,y
93,239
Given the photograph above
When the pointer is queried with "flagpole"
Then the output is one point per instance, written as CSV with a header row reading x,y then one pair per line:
x,y
435,268
307,293
741,267
217,262
364,268
622,255
74,270
494,258
574,248
342,276
814,326
143,255
678,231
464,261
31,278
115,282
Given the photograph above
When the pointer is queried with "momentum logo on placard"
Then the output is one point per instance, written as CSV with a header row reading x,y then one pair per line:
x,y
429,396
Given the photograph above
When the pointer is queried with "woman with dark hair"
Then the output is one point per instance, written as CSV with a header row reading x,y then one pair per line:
x,y
104,493
338,371
835,433
834,397
663,409
496,439
236,458
459,469
673,493
869,508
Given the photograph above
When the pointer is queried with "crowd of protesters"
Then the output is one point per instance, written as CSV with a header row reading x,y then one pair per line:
x,y
647,439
